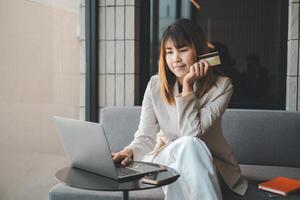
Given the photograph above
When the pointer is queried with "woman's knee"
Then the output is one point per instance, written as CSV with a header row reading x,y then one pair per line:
x,y
190,142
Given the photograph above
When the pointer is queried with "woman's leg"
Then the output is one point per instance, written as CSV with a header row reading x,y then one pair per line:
x,y
198,176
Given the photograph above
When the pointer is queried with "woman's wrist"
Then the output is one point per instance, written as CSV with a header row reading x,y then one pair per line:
x,y
187,88
129,152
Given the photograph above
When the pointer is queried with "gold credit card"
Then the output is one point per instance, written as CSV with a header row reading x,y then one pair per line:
x,y
212,58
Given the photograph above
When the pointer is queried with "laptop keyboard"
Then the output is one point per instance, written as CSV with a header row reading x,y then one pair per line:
x,y
124,171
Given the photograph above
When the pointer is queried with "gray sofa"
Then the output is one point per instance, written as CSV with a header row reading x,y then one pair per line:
x,y
266,144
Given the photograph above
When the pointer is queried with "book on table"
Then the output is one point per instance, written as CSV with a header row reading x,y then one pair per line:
x,y
280,185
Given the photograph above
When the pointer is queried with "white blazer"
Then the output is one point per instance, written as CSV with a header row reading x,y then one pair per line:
x,y
161,123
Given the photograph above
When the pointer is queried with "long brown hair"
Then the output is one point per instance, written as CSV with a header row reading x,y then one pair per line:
x,y
183,32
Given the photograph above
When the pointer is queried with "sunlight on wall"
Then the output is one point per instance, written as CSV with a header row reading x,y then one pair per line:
x,y
39,78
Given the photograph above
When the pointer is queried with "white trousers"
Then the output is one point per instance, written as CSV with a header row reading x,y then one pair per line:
x,y
198,177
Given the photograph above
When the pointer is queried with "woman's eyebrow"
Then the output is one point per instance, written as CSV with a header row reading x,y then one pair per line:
x,y
182,46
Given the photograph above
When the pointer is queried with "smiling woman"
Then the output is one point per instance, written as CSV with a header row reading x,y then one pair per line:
x,y
179,60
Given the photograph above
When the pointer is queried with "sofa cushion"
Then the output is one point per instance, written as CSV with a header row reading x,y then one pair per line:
x,y
258,173
64,192
254,174
255,194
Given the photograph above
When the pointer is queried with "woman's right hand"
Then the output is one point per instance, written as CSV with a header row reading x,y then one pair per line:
x,y
123,157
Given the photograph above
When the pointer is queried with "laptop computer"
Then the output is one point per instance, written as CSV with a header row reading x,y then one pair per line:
x,y
86,146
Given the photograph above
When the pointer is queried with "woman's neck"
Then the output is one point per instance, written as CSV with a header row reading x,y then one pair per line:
x,y
179,88
180,81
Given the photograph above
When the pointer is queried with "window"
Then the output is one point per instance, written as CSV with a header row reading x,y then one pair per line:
x,y
251,37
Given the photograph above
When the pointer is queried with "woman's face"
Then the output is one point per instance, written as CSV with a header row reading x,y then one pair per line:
x,y
179,60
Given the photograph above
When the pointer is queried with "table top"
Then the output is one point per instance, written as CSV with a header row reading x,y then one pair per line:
x,y
78,178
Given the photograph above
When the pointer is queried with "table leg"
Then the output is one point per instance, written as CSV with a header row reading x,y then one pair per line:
x,y
125,195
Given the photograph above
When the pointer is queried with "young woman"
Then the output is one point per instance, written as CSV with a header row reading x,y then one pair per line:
x,y
180,123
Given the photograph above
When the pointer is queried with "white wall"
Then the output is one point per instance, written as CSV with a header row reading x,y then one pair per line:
x,y
39,78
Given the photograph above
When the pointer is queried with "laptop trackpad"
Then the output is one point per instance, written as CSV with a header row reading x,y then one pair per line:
x,y
145,168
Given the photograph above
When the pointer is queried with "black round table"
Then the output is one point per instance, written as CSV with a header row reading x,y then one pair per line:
x,y
78,178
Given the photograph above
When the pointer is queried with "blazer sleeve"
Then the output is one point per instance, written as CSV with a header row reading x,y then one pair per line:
x,y
195,121
145,137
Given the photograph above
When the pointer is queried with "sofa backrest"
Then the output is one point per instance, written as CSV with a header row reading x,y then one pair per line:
x,y
264,137
120,124
259,137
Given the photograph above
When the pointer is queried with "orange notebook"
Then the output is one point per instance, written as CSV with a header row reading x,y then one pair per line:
x,y
280,185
